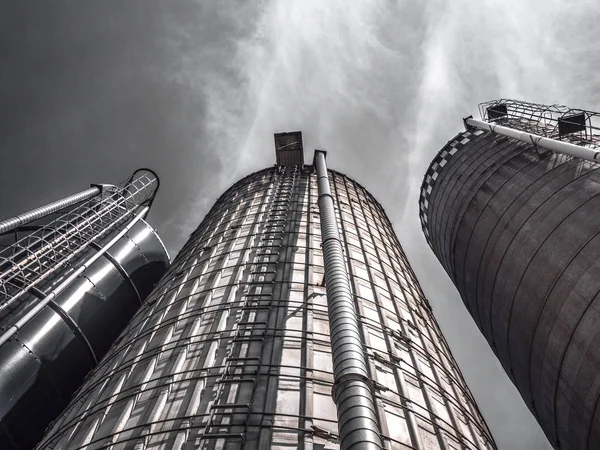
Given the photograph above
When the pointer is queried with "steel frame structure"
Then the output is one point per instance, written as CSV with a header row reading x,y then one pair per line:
x,y
548,121
33,258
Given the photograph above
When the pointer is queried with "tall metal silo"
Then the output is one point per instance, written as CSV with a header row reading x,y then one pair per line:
x,y
72,274
290,319
510,208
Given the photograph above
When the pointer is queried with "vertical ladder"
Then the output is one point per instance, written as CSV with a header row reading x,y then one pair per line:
x,y
228,420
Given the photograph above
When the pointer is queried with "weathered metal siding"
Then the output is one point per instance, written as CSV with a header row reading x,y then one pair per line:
x,y
518,231
232,348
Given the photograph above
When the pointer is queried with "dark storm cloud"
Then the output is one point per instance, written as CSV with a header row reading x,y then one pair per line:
x,y
91,90
194,89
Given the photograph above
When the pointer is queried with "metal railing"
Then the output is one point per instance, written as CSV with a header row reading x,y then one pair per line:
x,y
558,122
65,283
32,259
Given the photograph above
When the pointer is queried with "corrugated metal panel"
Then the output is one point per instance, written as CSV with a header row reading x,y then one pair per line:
x,y
232,348
517,231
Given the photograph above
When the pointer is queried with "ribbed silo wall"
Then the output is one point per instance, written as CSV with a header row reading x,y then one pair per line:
x,y
232,349
517,229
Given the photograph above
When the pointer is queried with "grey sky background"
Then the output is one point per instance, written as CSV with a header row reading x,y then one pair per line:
x,y
91,90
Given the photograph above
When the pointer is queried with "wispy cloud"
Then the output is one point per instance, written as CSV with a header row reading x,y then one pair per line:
x,y
473,53
342,75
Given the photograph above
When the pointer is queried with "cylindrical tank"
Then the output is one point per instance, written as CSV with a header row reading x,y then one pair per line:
x,y
44,362
47,361
517,229
232,348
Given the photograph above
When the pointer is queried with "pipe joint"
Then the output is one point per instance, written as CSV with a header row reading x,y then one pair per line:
x,y
339,383
329,238
323,196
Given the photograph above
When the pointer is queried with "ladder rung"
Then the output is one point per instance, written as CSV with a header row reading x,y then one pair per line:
x,y
251,338
229,406
253,325
243,359
241,436
236,380
253,307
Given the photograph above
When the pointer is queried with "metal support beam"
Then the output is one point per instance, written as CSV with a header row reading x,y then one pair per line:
x,y
37,213
10,332
352,390
539,141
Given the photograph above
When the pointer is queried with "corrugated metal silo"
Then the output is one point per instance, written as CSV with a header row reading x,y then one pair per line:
x,y
517,228
233,348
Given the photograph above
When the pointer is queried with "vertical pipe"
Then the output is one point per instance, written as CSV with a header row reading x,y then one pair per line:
x,y
352,394
37,213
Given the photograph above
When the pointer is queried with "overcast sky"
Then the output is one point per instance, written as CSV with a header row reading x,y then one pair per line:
x,y
91,90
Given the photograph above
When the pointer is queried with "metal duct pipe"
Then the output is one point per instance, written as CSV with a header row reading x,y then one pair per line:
x,y
37,213
540,141
352,389
62,286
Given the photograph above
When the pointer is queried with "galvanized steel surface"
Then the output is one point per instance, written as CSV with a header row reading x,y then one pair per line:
x,y
356,411
518,231
232,349
57,290
34,258
34,214
56,329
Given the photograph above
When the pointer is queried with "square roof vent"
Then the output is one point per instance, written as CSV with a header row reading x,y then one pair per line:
x,y
497,112
571,124
289,149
